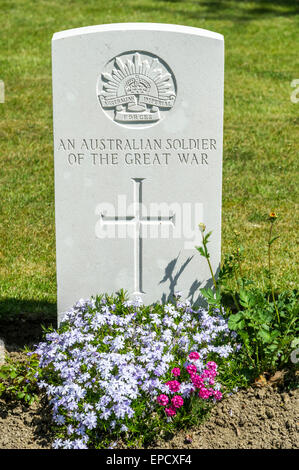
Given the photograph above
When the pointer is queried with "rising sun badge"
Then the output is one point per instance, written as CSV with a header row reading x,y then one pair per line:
x,y
136,88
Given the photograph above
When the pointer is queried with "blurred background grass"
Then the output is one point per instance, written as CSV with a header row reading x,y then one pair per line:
x,y
260,168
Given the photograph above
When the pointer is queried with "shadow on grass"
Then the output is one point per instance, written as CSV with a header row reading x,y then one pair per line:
x,y
234,10
21,321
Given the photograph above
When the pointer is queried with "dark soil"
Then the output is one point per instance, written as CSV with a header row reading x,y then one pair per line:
x,y
265,416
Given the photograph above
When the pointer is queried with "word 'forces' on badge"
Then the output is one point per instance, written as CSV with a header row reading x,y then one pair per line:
x,y
136,88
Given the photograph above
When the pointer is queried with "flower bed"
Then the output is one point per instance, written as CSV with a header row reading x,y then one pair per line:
x,y
120,371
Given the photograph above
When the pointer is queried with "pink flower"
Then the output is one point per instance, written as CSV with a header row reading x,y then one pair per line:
x,y
191,369
162,399
176,371
204,393
194,355
173,385
212,365
197,380
171,411
177,401
209,373
217,394
206,374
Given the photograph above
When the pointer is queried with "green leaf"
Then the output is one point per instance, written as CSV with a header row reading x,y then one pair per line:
x,y
244,298
265,336
236,321
272,347
207,236
273,240
212,297
244,336
201,250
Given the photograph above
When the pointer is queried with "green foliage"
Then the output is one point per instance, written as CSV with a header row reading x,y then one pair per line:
x,y
266,322
212,297
18,379
268,343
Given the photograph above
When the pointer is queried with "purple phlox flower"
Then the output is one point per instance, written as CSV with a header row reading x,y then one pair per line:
x,y
67,444
112,445
90,420
81,429
79,444
155,318
167,335
122,410
178,294
57,444
168,321
98,321
117,343
42,384
107,339
87,407
70,429
169,308
137,302
186,389
106,413
105,309
84,377
59,419
160,369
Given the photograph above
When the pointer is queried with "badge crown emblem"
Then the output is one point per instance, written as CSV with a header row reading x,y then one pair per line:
x,y
137,86
137,89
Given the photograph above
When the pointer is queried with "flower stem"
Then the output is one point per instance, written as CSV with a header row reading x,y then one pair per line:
x,y
269,270
207,258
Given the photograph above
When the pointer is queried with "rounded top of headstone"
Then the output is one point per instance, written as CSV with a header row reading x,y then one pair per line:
x,y
137,27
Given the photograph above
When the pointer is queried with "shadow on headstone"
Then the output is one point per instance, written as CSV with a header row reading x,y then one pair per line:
x,y
194,295
173,277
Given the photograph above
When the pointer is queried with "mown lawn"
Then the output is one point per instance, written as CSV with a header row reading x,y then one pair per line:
x,y
260,170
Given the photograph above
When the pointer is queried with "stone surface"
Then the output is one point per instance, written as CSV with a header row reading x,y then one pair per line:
x,y
2,352
138,112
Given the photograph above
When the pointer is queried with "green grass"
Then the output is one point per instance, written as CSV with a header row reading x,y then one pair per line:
x,y
260,171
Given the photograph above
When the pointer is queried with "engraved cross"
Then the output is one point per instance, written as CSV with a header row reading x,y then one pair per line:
x,y
138,220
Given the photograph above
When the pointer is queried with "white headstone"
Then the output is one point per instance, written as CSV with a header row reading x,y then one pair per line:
x,y
138,112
